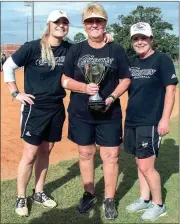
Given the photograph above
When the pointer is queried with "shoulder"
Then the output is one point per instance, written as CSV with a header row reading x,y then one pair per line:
x,y
163,57
133,59
116,47
66,44
78,46
34,44
118,50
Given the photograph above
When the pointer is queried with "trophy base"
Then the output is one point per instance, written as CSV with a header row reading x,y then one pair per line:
x,y
98,105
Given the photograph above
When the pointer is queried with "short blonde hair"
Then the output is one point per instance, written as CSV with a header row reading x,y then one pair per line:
x,y
94,10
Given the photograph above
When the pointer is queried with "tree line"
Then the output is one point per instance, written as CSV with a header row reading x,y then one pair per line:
x,y
163,41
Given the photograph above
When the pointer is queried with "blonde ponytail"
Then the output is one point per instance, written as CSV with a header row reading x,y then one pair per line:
x,y
46,51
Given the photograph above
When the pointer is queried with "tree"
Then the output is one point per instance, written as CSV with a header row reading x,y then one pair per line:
x,y
67,39
163,41
79,37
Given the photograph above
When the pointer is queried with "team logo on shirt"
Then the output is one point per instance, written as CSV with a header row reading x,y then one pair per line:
x,y
138,73
91,60
59,61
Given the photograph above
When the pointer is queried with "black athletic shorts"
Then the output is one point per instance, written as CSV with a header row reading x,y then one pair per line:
x,y
42,123
142,141
103,134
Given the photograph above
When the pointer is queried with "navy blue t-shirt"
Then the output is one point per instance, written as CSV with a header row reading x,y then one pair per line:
x,y
39,79
150,76
116,63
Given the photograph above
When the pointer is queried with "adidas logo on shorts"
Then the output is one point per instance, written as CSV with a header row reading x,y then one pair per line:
x,y
28,133
144,144
173,76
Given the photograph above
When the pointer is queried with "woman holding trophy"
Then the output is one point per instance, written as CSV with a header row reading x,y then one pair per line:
x,y
92,71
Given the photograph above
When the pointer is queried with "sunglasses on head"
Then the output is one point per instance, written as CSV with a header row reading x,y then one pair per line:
x,y
94,20
140,38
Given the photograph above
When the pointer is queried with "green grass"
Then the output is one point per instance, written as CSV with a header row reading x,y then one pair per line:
x,y
64,184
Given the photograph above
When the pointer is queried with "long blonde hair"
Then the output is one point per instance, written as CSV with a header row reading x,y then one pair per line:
x,y
46,51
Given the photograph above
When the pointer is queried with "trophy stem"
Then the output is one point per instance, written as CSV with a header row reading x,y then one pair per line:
x,y
96,97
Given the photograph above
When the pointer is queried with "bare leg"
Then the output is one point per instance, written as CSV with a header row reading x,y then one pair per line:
x,y
25,167
144,187
41,165
86,163
146,167
109,155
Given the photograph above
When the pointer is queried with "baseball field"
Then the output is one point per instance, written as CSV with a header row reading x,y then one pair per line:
x,y
10,136
11,143
64,181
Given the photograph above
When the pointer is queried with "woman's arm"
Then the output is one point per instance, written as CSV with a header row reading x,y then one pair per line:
x,y
119,90
80,87
122,87
9,68
163,126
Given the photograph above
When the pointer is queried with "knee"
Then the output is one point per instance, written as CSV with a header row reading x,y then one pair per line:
x,y
146,171
45,149
110,157
85,156
51,145
28,159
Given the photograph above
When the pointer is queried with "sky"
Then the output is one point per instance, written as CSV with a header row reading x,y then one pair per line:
x,y
14,17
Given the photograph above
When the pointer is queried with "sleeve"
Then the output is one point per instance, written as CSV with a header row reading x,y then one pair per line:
x,y
123,64
23,55
8,68
167,71
69,62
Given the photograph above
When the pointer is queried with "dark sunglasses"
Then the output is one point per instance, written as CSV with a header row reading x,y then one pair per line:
x,y
139,38
97,20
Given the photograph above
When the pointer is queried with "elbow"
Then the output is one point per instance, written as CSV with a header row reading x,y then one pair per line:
x,y
171,89
8,67
5,67
64,81
127,82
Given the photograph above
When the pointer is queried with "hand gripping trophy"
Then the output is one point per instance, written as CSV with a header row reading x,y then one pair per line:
x,y
95,73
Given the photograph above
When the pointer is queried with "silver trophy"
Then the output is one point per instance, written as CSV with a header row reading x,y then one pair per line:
x,y
95,73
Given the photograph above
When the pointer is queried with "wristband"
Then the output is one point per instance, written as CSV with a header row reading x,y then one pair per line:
x,y
15,93
112,96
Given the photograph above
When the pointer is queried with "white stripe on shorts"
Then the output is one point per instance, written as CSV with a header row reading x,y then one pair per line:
x,y
21,116
159,141
27,120
153,139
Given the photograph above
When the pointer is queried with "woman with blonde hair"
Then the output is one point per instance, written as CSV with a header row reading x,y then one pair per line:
x,y
110,63
42,112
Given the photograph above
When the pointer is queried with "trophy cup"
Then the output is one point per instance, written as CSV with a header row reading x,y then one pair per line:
x,y
95,73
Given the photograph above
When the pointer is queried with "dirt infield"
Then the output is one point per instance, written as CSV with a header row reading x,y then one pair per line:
x,y
11,144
